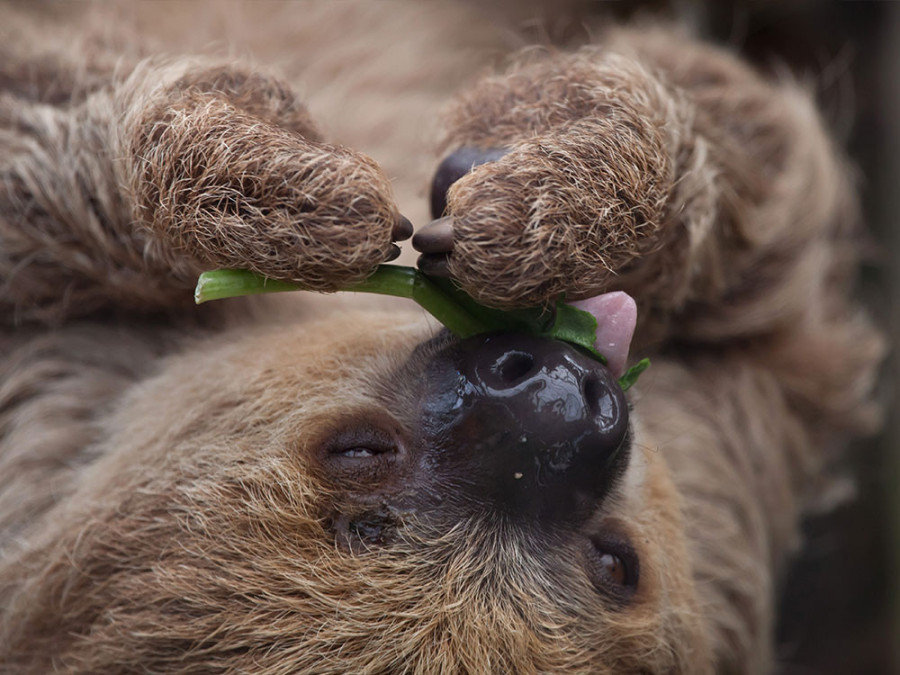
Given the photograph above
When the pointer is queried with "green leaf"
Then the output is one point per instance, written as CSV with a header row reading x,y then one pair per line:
x,y
443,299
631,375
577,327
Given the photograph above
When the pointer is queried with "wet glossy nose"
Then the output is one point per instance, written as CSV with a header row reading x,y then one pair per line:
x,y
534,426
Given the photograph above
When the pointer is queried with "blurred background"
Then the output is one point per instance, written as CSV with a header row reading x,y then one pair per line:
x,y
840,606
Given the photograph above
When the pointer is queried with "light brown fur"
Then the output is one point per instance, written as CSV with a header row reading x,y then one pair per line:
x,y
162,504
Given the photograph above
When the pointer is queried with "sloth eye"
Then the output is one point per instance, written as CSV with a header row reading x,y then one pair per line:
x,y
360,454
612,566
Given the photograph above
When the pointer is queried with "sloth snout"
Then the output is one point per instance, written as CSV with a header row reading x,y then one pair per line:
x,y
533,427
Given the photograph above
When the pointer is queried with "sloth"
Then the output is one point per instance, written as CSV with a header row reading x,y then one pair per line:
x,y
328,484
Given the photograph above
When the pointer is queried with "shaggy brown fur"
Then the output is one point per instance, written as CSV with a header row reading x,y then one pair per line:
x,y
210,157
165,504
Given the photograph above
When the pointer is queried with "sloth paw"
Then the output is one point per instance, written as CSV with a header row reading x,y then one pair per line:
x,y
227,186
558,181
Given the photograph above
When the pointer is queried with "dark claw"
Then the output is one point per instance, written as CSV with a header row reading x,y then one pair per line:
x,y
393,254
402,229
436,237
456,165
435,264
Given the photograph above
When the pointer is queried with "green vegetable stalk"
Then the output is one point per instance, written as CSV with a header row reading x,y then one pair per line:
x,y
441,298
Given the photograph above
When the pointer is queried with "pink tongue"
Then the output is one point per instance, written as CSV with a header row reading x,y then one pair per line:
x,y
616,315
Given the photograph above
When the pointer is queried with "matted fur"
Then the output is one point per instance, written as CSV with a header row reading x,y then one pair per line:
x,y
163,506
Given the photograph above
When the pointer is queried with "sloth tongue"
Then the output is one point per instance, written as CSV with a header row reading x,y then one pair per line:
x,y
616,315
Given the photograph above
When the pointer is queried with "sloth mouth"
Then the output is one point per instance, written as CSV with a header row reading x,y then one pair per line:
x,y
608,560
374,513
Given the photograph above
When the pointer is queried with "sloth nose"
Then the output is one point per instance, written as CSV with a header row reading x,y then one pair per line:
x,y
534,427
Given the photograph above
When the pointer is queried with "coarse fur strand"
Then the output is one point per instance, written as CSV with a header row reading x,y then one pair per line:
x,y
162,507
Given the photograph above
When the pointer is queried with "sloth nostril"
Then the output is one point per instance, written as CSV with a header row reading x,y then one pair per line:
x,y
513,366
593,391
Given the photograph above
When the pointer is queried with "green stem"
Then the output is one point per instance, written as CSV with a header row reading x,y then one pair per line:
x,y
221,284
402,282
441,298
445,309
